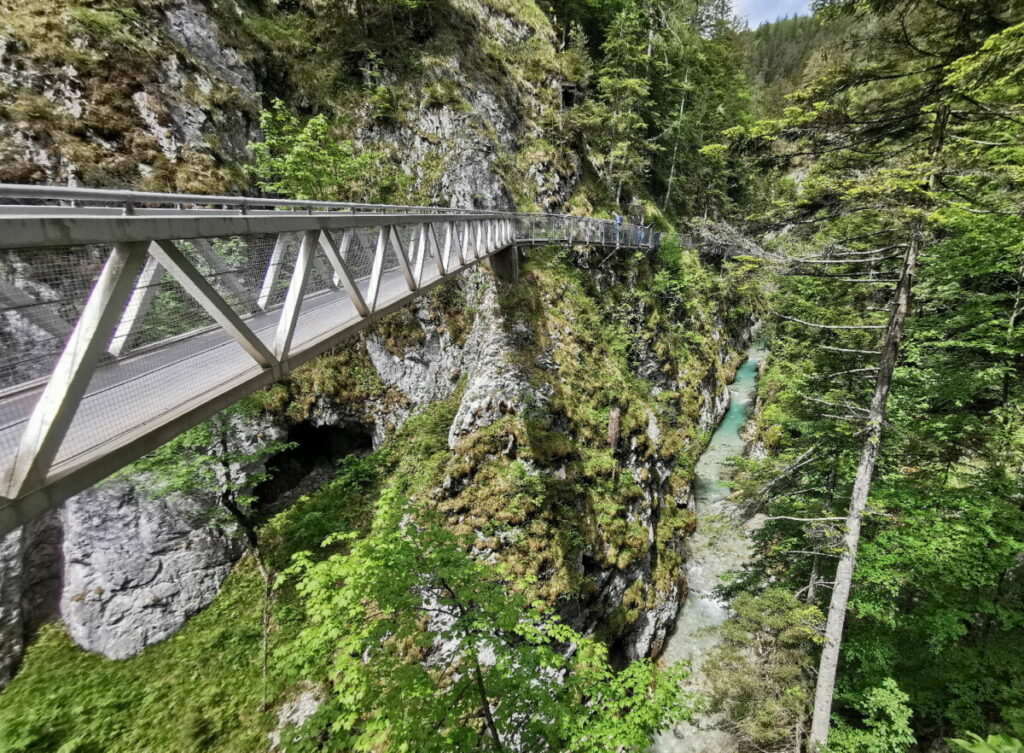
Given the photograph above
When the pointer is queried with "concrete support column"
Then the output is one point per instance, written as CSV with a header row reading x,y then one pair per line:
x,y
505,264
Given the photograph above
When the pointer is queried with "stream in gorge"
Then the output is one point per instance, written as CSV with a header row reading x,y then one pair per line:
x,y
720,544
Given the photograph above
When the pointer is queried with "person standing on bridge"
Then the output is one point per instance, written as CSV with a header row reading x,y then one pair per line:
x,y
617,219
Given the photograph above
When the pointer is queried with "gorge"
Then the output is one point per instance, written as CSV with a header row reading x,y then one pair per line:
x,y
565,500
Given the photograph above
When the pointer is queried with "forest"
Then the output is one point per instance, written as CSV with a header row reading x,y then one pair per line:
x,y
863,167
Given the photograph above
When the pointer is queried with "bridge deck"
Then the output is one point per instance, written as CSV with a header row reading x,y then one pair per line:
x,y
95,412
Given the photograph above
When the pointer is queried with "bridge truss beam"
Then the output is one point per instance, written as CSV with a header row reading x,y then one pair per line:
x,y
161,310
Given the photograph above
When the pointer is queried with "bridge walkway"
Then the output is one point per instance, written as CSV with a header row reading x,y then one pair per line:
x,y
131,317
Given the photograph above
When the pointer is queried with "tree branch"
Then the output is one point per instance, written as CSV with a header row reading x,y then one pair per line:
x,y
829,326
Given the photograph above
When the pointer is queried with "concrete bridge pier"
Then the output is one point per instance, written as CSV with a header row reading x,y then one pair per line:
x,y
505,264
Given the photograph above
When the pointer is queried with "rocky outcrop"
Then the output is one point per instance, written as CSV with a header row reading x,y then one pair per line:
x,y
151,108
136,568
294,713
11,630
424,373
30,582
495,385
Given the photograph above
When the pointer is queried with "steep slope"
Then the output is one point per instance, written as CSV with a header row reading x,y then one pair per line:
x,y
556,419
561,422
165,94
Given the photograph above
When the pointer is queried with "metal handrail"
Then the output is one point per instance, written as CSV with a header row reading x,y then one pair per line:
x,y
128,198
112,196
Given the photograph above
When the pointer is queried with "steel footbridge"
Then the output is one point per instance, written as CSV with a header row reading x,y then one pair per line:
x,y
127,317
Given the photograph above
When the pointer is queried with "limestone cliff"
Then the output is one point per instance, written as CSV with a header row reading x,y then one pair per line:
x,y
533,372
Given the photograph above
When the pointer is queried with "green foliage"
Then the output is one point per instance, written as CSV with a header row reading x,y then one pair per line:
x,y
761,673
336,505
935,606
427,648
309,160
207,461
785,54
200,690
991,744
886,723
623,89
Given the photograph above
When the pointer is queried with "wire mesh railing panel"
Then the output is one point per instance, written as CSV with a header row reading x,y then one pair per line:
x,y
42,293
207,313
277,274
323,315
360,254
164,310
118,404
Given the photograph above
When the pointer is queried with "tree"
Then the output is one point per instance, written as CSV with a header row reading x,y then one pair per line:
x,y
886,723
899,149
206,461
761,673
309,160
623,88
427,648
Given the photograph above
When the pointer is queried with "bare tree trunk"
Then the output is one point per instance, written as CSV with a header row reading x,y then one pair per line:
x,y
485,702
675,146
812,586
825,689
858,500
614,427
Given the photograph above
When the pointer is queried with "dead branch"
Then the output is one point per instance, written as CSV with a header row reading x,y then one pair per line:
x,y
830,326
850,371
851,350
813,554
835,405
864,260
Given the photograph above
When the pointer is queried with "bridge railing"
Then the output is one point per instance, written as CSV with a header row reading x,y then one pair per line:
x,y
126,317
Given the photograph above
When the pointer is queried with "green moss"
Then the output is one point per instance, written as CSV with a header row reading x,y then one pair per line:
x,y
543,489
344,375
200,690
203,689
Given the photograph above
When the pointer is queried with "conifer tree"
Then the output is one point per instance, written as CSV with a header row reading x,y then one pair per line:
x,y
886,129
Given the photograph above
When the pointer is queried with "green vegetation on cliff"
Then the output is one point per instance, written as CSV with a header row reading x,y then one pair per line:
x,y
541,491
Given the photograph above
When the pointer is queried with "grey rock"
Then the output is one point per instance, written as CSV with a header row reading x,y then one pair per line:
x,y
190,24
424,373
495,386
30,579
138,568
11,631
295,712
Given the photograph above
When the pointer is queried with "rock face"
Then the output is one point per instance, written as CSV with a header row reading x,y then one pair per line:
x,y
11,631
30,583
137,569
495,385
157,100
424,373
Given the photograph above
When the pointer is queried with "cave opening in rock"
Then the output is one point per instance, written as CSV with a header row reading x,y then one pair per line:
x,y
312,461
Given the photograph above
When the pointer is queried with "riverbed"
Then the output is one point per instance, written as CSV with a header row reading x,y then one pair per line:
x,y
720,544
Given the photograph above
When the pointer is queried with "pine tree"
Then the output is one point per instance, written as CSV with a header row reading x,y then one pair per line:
x,y
887,130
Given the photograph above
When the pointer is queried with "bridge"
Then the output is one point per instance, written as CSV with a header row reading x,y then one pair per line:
x,y
128,317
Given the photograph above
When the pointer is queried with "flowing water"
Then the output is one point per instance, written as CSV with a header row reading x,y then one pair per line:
x,y
720,544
